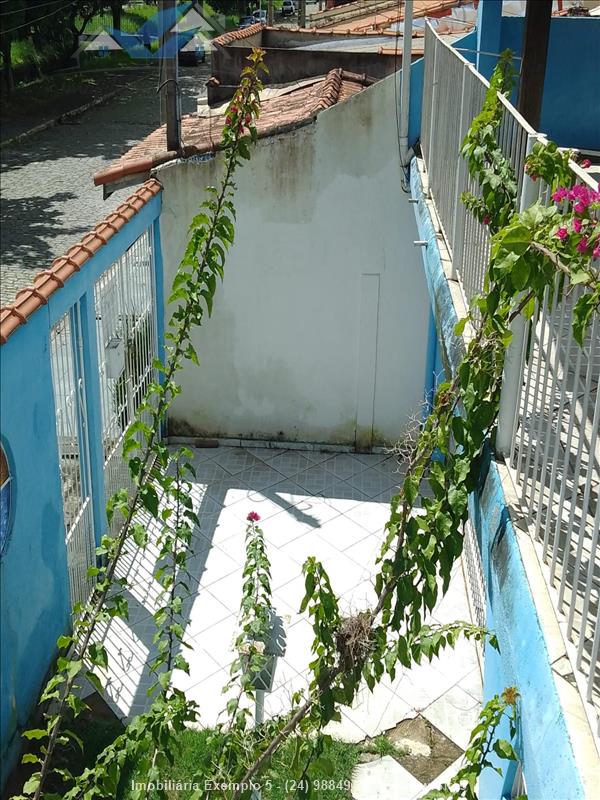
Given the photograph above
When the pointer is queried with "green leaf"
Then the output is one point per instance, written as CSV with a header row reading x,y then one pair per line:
x,y
35,733
504,749
97,655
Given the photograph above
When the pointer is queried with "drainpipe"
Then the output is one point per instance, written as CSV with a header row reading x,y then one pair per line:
x,y
405,152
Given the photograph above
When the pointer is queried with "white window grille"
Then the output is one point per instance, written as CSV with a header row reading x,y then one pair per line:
x,y
71,427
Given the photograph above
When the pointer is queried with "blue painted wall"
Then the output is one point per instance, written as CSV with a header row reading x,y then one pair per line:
x,y
34,599
543,743
35,602
571,105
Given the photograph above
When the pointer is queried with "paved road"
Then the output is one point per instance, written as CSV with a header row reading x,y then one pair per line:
x,y
47,197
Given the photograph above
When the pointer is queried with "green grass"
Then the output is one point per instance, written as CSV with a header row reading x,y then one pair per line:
x,y
382,746
195,753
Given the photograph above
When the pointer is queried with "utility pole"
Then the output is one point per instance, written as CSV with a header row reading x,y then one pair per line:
x,y
168,81
538,15
302,14
270,16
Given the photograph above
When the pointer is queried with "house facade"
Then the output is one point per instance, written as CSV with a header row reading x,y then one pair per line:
x,y
335,320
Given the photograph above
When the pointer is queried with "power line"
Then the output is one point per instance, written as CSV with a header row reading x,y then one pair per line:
x,y
38,19
24,10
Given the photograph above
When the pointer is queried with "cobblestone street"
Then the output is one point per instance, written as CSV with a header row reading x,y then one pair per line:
x,y
48,200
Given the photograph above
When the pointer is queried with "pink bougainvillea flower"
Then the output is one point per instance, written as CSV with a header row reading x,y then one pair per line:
x,y
596,251
582,245
487,219
562,233
234,109
253,517
577,225
560,194
228,120
580,207
586,163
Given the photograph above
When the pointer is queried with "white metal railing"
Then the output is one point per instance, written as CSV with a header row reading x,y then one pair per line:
x,y
555,455
550,408
124,299
71,427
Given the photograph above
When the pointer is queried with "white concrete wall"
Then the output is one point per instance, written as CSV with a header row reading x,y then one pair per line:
x,y
319,331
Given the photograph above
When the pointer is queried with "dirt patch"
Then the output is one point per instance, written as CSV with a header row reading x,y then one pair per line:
x,y
422,749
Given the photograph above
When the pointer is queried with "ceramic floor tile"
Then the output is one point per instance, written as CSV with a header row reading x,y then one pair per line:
x,y
365,553
227,588
421,685
383,779
228,492
321,515
205,610
345,465
285,493
392,467
346,730
283,568
373,712
455,714
371,459
290,463
370,515
317,480
313,511
472,684
283,528
289,596
371,482
317,456
264,454
386,495
236,459
259,477
207,470
344,497
342,534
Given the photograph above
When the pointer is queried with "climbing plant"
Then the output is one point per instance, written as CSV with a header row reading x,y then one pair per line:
x,y
423,536
160,501
482,745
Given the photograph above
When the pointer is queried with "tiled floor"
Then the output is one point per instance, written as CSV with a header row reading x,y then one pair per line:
x,y
333,506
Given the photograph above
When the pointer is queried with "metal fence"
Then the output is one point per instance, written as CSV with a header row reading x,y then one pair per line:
x,y
72,431
555,455
550,409
119,355
126,323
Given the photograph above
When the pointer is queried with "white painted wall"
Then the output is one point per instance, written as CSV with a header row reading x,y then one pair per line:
x,y
319,331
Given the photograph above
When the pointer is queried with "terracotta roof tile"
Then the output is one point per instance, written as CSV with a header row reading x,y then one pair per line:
x,y
234,36
382,20
296,106
48,281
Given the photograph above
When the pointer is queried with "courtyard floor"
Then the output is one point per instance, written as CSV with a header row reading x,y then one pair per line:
x,y
330,505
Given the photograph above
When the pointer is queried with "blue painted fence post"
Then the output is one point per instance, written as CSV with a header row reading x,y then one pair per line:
x,y
94,411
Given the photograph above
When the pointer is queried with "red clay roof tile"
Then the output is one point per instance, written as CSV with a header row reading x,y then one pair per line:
x,y
48,281
244,33
298,106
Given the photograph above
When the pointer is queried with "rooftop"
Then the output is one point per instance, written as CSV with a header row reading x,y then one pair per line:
x,y
46,282
282,110
382,19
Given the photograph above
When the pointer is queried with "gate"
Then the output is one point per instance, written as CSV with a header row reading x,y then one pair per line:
x,y
68,379
124,299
